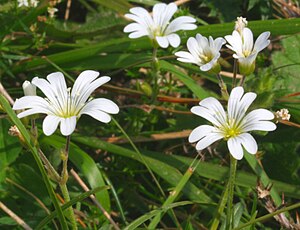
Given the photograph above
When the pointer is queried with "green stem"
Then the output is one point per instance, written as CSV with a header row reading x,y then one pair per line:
x,y
242,80
63,183
154,74
48,166
230,216
268,216
223,87
235,67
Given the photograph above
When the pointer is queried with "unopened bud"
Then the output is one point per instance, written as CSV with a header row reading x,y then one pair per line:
x,y
29,89
15,132
240,24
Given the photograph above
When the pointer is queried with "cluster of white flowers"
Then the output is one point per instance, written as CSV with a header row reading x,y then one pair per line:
x,y
64,106
28,3
202,51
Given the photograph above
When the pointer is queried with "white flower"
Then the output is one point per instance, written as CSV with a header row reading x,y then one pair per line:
x,y
51,11
29,89
245,52
34,3
202,52
63,105
158,27
232,125
23,3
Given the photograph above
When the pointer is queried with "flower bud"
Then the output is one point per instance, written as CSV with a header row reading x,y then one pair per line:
x,y
29,89
240,24
282,115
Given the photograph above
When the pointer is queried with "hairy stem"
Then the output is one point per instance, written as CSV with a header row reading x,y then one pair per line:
x,y
63,183
223,87
230,216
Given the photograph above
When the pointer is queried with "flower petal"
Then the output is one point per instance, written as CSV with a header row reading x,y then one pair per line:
x,y
29,112
247,40
235,148
206,114
248,142
59,86
181,23
261,42
208,140
98,115
186,57
174,40
200,132
30,102
67,125
215,107
234,101
162,13
102,104
50,124
259,126
83,81
84,93
162,41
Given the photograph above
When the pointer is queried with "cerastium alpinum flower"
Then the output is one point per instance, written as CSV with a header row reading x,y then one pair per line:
x,y
65,106
203,52
158,27
241,42
233,125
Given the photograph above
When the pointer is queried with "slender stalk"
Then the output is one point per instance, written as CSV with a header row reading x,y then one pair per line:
x,y
154,74
230,216
223,87
242,81
63,183
235,67
48,166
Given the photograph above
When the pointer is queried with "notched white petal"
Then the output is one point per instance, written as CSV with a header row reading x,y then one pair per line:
x,y
67,125
235,148
50,124
200,132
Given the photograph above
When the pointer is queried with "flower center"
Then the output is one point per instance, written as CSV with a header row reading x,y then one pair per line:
x,y
246,53
205,58
231,129
231,133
